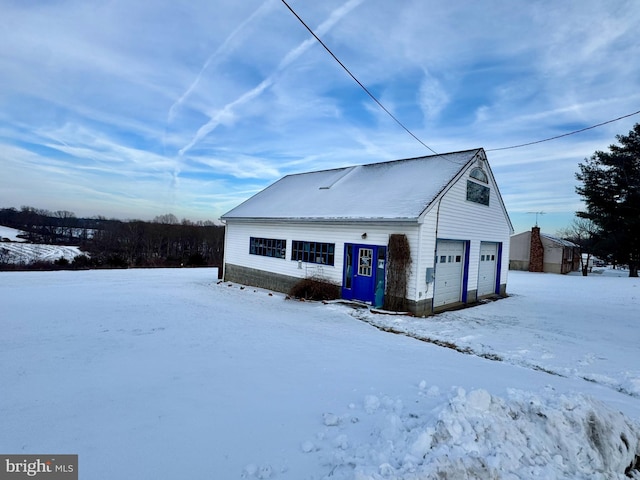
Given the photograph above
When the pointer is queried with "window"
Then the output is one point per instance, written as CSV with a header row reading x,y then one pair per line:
x,y
479,175
267,247
349,270
365,258
477,193
449,259
313,252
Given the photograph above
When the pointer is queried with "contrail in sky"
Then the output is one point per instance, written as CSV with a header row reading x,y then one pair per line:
x,y
220,52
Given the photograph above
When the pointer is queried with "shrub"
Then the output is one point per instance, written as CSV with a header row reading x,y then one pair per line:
x,y
315,289
196,260
398,268
117,261
62,262
82,261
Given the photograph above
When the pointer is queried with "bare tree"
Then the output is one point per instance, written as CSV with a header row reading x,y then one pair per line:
x,y
583,232
66,224
167,219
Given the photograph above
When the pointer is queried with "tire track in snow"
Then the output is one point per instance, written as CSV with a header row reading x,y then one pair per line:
x,y
356,312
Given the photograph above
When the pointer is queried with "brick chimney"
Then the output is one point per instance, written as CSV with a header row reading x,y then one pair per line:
x,y
536,254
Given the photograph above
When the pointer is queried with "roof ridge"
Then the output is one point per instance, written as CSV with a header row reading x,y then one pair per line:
x,y
384,162
448,154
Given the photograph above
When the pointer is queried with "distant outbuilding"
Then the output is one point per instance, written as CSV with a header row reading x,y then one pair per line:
x,y
533,251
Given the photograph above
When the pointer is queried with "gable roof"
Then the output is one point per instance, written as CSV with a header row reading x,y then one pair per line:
x,y
395,190
559,241
549,238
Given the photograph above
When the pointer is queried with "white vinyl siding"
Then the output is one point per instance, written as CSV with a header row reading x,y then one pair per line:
x,y
239,232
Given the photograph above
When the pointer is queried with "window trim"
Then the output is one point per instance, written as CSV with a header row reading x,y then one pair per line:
x,y
268,247
320,253
365,261
479,174
477,192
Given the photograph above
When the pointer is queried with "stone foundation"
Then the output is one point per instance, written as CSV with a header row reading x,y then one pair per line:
x,y
284,283
423,308
259,278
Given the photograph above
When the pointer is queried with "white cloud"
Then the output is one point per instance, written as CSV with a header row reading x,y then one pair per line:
x,y
242,166
98,100
432,97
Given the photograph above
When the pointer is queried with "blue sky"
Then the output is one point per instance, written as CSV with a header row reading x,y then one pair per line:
x,y
136,109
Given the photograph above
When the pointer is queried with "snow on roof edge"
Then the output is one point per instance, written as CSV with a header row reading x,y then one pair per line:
x,y
561,241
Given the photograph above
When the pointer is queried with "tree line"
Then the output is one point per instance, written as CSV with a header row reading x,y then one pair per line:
x,y
164,241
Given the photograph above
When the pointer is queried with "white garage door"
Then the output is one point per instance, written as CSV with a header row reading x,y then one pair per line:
x,y
487,268
449,271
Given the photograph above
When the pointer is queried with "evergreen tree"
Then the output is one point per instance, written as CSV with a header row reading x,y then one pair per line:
x,y
611,192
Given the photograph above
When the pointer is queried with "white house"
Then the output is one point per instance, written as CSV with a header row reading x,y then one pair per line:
x,y
337,223
534,251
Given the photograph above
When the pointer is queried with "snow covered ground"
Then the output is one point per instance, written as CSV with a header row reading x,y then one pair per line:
x,y
10,234
26,253
162,373
21,252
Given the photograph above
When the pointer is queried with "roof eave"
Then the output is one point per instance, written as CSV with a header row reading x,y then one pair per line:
x,y
323,219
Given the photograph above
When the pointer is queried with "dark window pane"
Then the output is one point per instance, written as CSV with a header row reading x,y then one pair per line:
x,y
479,174
313,252
267,247
477,193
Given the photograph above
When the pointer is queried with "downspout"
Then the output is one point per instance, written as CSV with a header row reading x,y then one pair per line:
x,y
418,290
435,253
224,252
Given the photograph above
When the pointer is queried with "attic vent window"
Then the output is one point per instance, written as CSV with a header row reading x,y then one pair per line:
x,y
479,175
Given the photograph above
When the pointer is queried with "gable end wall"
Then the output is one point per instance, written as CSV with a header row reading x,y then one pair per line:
x,y
453,217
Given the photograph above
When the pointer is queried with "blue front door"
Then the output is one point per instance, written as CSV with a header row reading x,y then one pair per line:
x,y
364,273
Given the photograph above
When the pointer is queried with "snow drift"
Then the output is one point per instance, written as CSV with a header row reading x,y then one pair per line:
x,y
479,435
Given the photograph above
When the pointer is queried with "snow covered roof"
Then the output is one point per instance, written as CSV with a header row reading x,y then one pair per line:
x,y
546,236
560,241
395,190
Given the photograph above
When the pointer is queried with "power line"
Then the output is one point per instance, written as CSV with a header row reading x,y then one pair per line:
x,y
564,134
356,80
366,90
